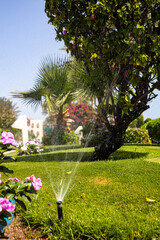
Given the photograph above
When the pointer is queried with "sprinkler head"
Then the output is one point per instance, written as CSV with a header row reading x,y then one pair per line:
x,y
59,208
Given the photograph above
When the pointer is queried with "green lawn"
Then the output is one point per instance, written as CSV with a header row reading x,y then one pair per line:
x,y
105,199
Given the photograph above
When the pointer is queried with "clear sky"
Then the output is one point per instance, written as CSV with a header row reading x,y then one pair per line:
x,y
25,39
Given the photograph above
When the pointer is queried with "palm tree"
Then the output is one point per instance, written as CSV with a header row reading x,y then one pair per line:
x,y
52,89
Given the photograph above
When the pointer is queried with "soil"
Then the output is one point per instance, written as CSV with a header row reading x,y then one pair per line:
x,y
18,230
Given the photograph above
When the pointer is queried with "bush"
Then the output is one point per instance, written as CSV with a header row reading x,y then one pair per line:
x,y
137,135
13,190
70,137
80,113
55,136
153,128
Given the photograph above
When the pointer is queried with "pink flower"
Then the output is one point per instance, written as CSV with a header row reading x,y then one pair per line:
x,y
14,143
13,179
125,73
7,135
106,130
64,31
30,178
8,138
37,184
6,205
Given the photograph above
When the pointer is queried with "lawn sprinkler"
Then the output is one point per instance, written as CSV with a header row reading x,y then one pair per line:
x,y
59,208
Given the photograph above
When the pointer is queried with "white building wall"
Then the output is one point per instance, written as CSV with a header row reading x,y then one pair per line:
x,y
36,127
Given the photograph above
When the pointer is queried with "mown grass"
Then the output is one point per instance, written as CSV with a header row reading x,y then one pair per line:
x,y
105,200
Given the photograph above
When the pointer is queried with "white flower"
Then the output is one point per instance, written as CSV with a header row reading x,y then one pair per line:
x,y
24,148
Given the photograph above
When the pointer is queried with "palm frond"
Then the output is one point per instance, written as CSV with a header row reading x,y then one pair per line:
x,y
32,97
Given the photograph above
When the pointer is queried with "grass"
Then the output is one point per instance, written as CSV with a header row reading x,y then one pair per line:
x,y
105,200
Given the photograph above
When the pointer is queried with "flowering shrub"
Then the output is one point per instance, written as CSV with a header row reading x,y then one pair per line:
x,y
137,135
31,147
81,114
13,189
7,143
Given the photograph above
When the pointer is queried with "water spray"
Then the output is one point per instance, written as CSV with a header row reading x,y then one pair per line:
x,y
59,208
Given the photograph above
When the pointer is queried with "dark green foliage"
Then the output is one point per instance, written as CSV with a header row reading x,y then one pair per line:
x,y
154,130
53,136
137,123
93,134
147,120
56,136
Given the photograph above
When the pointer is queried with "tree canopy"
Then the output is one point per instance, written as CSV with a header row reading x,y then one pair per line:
x,y
8,114
123,39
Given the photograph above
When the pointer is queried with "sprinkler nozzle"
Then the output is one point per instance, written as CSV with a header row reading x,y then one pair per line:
x,y
59,208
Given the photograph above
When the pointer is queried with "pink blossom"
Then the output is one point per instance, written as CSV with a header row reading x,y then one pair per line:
x,y
14,143
7,135
64,31
6,205
125,73
106,130
37,184
8,138
30,178
13,179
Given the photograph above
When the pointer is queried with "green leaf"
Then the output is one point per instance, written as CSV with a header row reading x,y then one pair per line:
x,y
3,222
26,197
10,196
8,214
21,203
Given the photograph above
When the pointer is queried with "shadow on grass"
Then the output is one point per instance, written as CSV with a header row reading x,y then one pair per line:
x,y
82,156
119,155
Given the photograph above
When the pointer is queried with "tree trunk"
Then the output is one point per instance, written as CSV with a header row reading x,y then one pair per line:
x,y
109,145
61,123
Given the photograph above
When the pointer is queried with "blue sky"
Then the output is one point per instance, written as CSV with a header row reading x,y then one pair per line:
x,y
27,38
